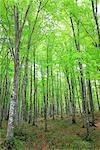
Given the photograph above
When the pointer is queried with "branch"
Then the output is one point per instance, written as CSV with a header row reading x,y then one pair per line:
x,y
76,43
96,20
29,41
10,47
11,50
86,31
21,29
44,4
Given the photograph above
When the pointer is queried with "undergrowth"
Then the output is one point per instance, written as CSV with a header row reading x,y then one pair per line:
x,y
61,135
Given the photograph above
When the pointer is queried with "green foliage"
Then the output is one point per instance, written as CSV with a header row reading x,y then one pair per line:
x,y
48,40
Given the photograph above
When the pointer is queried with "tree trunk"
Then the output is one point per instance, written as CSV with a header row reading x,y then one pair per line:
x,y
25,103
53,104
95,14
35,89
73,102
30,110
71,98
97,95
10,131
45,101
10,128
91,100
57,94
1,109
61,100
83,87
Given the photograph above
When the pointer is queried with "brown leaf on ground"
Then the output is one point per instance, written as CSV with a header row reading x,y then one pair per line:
x,y
97,125
45,147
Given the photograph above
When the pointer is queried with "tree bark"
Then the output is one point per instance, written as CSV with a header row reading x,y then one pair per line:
x,y
97,95
45,100
53,104
10,128
18,33
94,9
71,93
30,110
83,86
91,100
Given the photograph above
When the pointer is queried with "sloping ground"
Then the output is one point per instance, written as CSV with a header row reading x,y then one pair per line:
x,y
61,135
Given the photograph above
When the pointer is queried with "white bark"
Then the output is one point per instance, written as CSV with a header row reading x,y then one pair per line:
x,y
11,119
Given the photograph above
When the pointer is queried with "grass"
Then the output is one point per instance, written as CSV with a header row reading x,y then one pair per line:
x,y
61,135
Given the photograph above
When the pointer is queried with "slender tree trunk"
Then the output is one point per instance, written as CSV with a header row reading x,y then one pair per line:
x,y
61,100
35,89
25,116
95,14
57,94
1,110
73,102
30,110
66,104
83,87
1,107
18,34
18,109
47,96
97,96
91,100
53,104
10,128
79,105
45,101
71,98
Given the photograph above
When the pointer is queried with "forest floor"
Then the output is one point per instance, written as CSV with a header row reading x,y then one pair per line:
x,y
61,135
